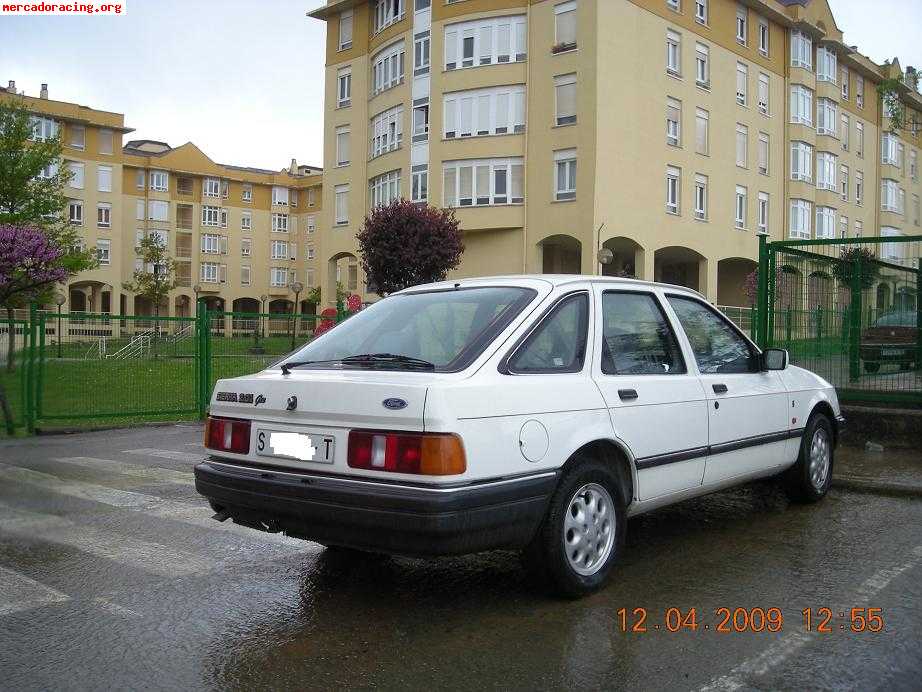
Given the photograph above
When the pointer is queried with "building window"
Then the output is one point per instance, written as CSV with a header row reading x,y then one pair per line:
x,y
280,195
764,93
43,129
741,203
75,212
342,145
211,187
387,131
77,136
565,174
211,244
564,26
104,215
419,188
311,252
139,209
104,178
280,223
915,210
843,78
889,149
844,128
388,67
763,213
826,67
859,188
675,5
827,117
246,221
701,197
673,122
801,50
279,250
673,53
913,165
483,182
159,181
565,92
801,105
843,182
421,119
311,223
103,247
673,189
701,11
387,12
208,272
742,83
764,153
247,193
825,222
344,87
763,36
245,275
486,42
310,196
801,161
421,57
105,141
494,111
345,30
826,165
859,139
384,189
889,196
843,227
246,245
742,145
702,136
278,276
702,66
341,193
158,210
741,24
139,179
77,174
800,219
211,216
859,91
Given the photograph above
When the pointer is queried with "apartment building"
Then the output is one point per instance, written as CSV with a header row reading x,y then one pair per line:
x,y
240,236
671,133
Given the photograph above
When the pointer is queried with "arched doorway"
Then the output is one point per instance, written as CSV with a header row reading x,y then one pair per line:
x,y
734,287
820,293
561,254
789,289
681,266
246,305
342,273
627,258
90,296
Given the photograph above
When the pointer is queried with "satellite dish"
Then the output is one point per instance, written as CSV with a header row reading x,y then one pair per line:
x,y
606,256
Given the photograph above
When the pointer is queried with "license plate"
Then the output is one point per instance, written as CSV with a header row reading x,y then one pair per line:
x,y
891,352
315,447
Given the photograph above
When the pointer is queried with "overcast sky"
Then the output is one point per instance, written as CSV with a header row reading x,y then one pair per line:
x,y
244,80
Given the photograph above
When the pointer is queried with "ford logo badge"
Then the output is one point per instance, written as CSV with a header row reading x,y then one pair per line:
x,y
394,404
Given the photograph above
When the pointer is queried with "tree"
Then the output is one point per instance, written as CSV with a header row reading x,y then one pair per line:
x,y
751,284
29,263
870,270
32,184
404,244
156,284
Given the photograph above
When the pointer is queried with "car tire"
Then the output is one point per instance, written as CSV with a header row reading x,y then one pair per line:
x,y
582,535
871,367
809,479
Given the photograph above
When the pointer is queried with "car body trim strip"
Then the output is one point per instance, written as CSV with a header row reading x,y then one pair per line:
x,y
712,450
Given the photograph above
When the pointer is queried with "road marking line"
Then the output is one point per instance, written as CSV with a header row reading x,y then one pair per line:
x,y
134,470
19,592
791,642
149,557
166,454
151,505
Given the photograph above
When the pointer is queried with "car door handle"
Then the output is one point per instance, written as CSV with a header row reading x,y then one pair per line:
x,y
627,394
719,388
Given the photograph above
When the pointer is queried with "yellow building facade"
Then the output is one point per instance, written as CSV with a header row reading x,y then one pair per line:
x,y
671,133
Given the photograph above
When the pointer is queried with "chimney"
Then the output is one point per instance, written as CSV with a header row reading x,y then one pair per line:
x,y
11,87
293,168
44,92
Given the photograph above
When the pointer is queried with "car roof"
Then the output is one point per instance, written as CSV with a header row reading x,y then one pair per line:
x,y
550,281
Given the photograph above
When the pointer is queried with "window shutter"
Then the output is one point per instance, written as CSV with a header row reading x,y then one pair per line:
x,y
483,114
740,82
451,48
566,96
138,237
701,133
222,273
566,25
293,247
518,194
223,244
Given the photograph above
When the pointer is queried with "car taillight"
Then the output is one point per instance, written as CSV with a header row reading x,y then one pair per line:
x,y
425,454
227,435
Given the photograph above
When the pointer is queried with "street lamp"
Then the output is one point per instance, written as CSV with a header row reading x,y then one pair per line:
x,y
197,288
297,287
59,298
262,312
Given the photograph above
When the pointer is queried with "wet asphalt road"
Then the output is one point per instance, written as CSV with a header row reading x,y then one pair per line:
x,y
112,575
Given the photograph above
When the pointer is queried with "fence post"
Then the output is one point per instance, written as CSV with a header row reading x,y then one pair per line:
x,y
203,366
787,329
762,293
854,360
30,369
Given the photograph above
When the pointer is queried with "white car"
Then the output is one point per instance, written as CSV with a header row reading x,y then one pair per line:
x,y
527,412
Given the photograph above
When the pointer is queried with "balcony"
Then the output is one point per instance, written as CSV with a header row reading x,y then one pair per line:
x,y
184,217
184,187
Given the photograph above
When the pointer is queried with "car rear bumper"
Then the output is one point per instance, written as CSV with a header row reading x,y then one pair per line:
x,y
887,353
380,516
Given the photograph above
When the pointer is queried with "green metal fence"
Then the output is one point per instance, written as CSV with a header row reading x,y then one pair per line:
x,y
848,309
80,369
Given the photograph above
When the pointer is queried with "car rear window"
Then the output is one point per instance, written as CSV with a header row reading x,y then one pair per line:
x,y
448,328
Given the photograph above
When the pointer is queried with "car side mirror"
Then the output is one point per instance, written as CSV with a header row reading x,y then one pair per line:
x,y
774,359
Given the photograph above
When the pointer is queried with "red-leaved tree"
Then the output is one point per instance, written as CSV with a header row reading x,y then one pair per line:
x,y
405,244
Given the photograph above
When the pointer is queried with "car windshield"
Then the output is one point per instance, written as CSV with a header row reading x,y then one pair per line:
x,y
444,330
897,319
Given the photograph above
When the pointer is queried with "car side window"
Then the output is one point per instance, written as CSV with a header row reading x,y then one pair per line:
x,y
558,344
636,337
718,348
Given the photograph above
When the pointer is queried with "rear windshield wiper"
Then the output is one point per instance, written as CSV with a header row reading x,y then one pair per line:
x,y
364,359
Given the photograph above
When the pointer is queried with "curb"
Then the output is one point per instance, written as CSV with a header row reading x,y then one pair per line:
x,y
51,432
872,486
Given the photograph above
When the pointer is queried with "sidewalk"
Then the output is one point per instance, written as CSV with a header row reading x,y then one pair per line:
x,y
890,472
